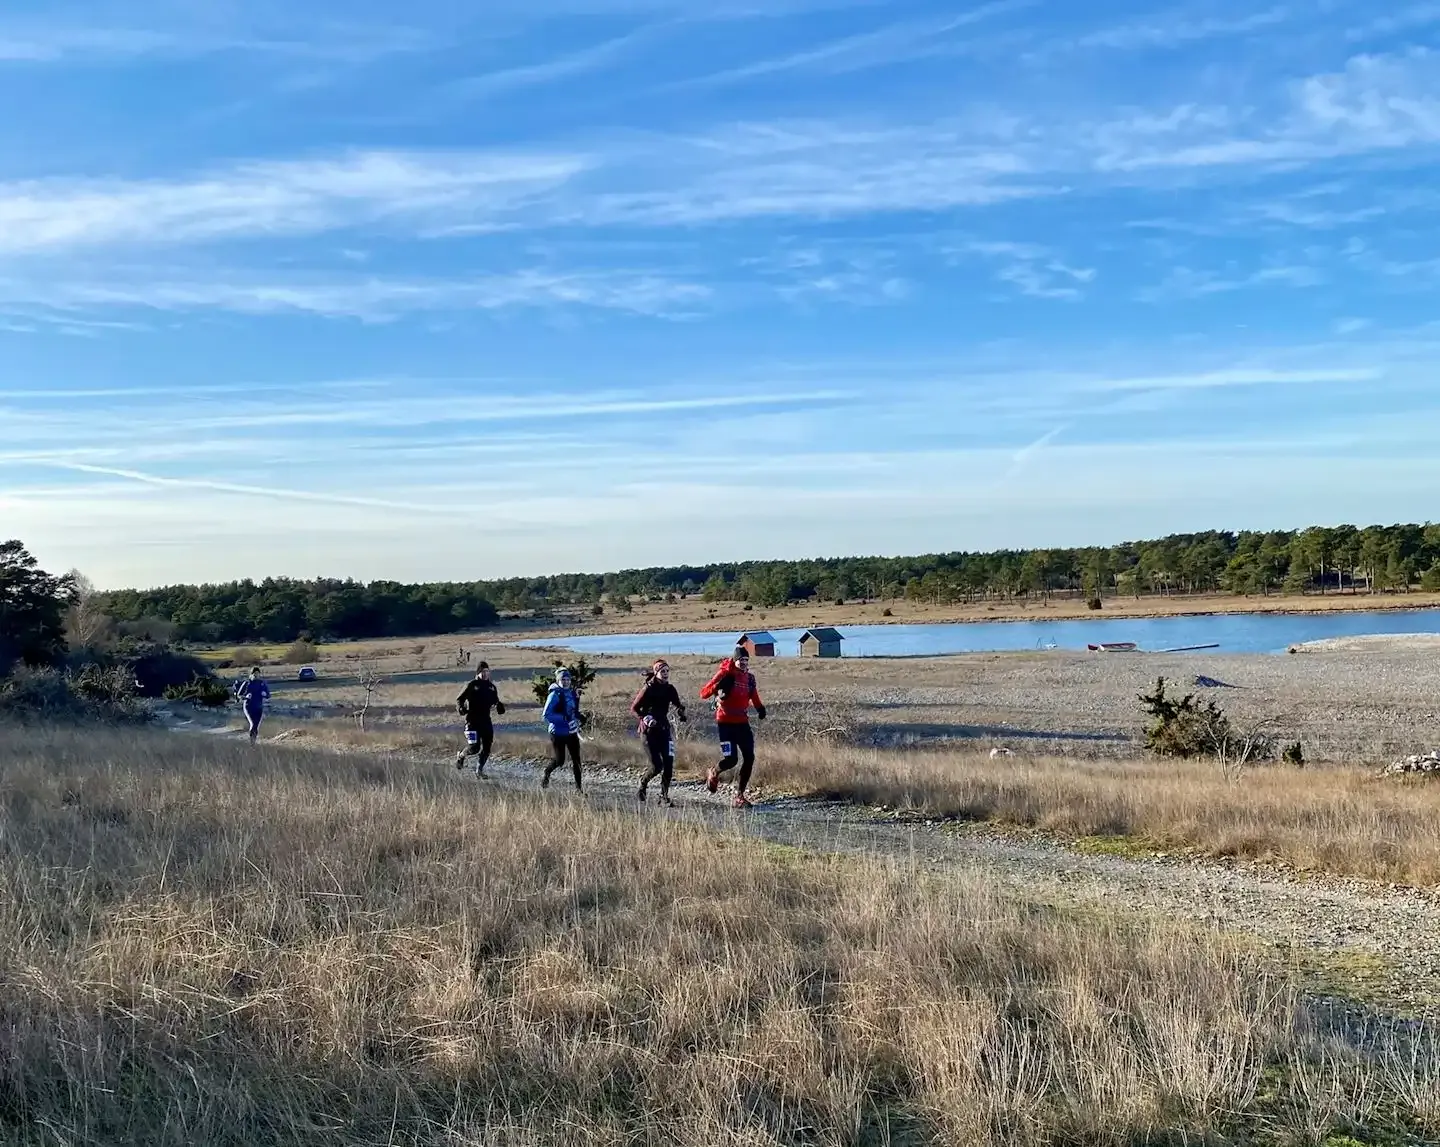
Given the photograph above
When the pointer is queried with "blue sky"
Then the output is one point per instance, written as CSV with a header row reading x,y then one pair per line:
x,y
394,291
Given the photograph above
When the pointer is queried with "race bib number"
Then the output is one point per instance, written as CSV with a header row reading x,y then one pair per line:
x,y
726,748
672,748
472,736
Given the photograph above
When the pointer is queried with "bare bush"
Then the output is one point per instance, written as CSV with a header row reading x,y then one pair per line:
x,y
368,680
817,718
301,653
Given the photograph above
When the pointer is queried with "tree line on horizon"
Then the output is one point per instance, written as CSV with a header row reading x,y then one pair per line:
x,y
1320,559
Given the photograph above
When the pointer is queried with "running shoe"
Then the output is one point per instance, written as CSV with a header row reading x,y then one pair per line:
x,y
712,780
459,761
741,801
640,796
666,801
545,779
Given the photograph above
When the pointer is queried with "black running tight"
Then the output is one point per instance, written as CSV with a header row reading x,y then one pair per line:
x,y
482,747
563,745
737,743
662,759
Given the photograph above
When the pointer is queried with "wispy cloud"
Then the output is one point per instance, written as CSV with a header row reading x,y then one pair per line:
x,y
1376,103
1177,29
83,38
369,298
1398,20
578,63
276,198
269,492
892,44
1237,376
1036,271
1189,283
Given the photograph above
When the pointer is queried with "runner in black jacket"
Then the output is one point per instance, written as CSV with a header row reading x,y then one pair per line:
x,y
475,703
652,705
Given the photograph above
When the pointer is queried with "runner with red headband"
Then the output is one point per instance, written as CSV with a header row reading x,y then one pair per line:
x,y
652,705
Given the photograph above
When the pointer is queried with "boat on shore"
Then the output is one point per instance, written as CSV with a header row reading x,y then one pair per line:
x,y
1115,647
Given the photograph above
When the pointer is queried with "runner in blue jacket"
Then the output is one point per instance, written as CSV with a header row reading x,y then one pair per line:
x,y
563,720
252,694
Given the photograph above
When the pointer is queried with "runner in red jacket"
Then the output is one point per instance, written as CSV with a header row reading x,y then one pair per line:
x,y
734,690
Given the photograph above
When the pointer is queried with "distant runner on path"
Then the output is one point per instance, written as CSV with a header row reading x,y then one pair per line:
x,y
652,705
475,703
253,693
734,690
563,720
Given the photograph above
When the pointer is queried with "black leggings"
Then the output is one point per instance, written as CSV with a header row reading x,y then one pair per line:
x,y
662,758
482,747
737,742
562,745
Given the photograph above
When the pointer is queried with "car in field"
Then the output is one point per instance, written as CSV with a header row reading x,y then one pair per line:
x,y
306,674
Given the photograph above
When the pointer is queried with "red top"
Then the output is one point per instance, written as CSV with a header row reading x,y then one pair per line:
x,y
733,706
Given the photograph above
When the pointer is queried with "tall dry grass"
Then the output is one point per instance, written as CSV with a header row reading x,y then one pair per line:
x,y
201,944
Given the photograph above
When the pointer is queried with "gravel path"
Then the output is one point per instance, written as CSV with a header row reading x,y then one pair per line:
x,y
1386,941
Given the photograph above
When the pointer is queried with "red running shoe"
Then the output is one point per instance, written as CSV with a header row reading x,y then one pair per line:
x,y
712,780
741,801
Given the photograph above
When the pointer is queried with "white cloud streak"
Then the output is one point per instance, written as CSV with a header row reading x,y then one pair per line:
x,y
1177,30
244,489
893,44
370,298
1238,376
87,39
275,198
583,62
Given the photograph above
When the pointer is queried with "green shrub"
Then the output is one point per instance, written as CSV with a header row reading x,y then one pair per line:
x,y
1188,728
581,675
94,693
202,691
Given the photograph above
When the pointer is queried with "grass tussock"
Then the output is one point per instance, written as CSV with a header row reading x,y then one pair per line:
x,y
1339,820
200,944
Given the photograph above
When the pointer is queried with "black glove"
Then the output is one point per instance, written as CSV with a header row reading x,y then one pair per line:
x,y
584,719
760,711
726,684
500,708
683,718
460,709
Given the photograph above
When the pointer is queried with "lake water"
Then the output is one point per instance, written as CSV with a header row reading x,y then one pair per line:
x,y
1234,633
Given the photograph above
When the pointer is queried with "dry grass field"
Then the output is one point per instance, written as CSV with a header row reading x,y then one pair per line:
x,y
202,944
1337,820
